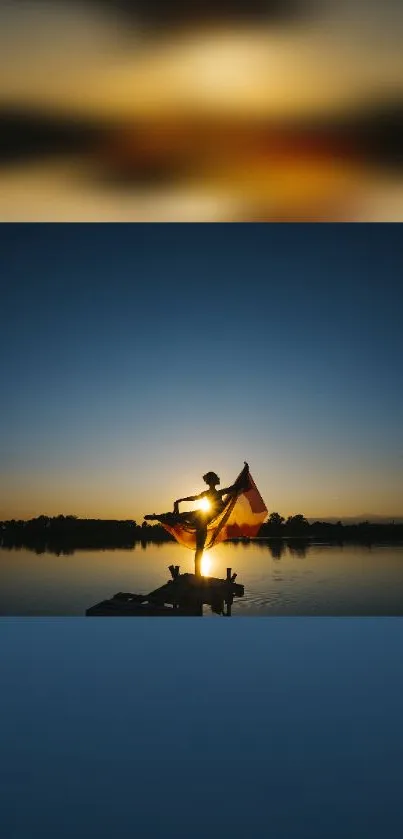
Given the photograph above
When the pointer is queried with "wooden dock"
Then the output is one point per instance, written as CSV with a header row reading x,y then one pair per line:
x,y
182,595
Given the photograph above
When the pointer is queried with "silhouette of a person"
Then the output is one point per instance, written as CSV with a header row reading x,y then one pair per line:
x,y
200,519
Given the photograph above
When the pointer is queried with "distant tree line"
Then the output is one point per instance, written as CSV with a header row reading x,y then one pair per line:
x,y
65,534
277,526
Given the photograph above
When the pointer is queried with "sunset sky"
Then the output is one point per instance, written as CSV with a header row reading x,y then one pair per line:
x,y
136,358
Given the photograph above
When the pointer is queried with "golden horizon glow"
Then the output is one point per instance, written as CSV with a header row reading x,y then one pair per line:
x,y
41,495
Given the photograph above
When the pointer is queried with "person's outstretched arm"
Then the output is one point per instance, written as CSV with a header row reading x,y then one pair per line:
x,y
191,498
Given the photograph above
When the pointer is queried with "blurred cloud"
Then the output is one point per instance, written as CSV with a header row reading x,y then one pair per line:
x,y
233,111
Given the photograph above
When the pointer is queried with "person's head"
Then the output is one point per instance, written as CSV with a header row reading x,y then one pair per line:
x,y
211,479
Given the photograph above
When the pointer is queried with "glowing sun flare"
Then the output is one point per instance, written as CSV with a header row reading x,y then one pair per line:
x,y
205,566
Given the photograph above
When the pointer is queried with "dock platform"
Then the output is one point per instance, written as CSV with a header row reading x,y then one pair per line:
x,y
184,594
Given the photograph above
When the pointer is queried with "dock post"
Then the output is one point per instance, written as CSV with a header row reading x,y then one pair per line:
x,y
229,604
229,598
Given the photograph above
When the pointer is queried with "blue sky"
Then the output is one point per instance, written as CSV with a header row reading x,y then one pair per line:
x,y
136,357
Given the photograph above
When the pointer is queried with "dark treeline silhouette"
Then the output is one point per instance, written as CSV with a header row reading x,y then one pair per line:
x,y
65,534
298,526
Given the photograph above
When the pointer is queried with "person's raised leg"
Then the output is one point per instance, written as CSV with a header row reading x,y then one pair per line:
x,y
169,518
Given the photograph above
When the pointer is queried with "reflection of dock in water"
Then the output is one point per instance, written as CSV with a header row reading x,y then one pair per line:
x,y
184,594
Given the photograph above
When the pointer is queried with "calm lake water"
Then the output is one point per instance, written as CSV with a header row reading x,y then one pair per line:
x,y
319,579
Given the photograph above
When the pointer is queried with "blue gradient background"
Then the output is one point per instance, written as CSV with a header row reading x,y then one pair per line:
x,y
135,358
284,728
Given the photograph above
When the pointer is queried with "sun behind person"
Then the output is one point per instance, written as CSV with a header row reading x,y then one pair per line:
x,y
212,503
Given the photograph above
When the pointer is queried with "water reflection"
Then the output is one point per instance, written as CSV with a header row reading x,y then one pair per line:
x,y
298,547
276,548
280,577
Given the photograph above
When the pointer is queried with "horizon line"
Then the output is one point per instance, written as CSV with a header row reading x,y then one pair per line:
x,y
359,516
